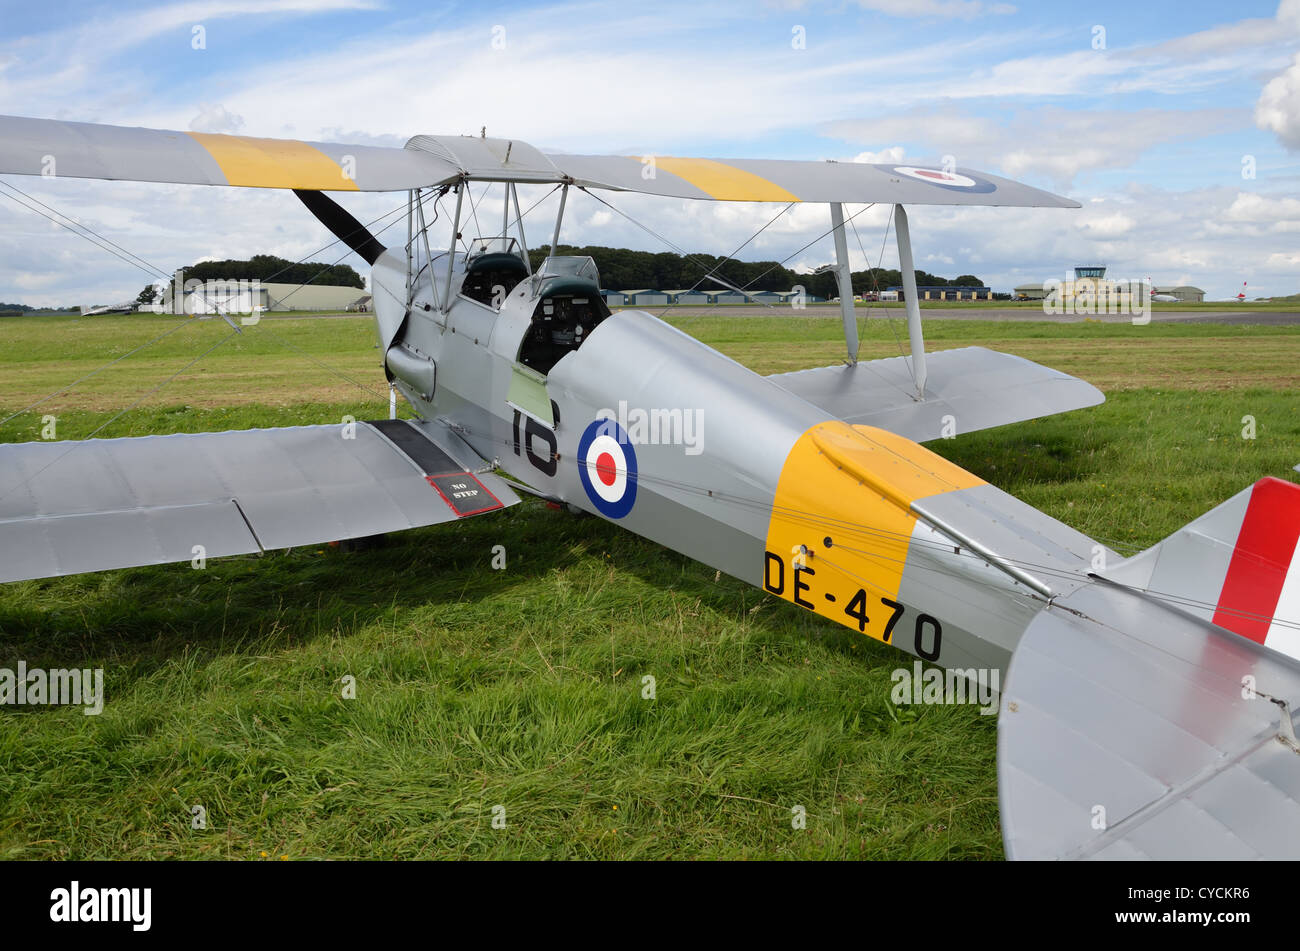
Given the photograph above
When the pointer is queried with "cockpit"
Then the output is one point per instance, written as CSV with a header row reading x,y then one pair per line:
x,y
490,276
568,308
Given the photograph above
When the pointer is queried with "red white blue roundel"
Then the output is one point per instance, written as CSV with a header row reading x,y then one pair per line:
x,y
607,468
951,180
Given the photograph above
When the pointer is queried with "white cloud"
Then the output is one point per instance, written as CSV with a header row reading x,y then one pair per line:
x,y
637,75
1050,142
946,9
1212,238
214,117
1232,37
1278,108
1254,207
1106,226
888,156
124,31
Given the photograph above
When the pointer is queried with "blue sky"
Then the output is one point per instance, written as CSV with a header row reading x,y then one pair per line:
x,y
1148,129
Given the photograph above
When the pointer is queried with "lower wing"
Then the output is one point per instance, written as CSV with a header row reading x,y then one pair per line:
x,y
71,507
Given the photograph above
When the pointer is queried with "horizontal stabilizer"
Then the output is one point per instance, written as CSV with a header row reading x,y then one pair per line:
x,y
71,507
1130,729
966,390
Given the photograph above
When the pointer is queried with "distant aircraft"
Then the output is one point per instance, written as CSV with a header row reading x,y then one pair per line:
x,y
126,308
1241,294
1163,298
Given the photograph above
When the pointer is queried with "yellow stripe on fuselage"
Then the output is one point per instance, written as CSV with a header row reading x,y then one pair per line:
x,y
274,163
724,182
851,485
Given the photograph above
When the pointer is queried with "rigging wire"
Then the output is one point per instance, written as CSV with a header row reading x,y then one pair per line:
x,y
136,257
843,527
73,444
884,241
776,511
87,376
183,323
148,269
742,246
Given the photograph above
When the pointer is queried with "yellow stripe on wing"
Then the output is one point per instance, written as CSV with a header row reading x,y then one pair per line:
x,y
724,182
274,163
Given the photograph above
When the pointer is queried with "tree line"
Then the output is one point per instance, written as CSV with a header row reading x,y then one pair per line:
x,y
18,310
624,269
268,269
620,269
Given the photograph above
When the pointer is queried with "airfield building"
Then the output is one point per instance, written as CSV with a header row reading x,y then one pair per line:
x,y
1091,281
1184,292
646,297
243,297
942,292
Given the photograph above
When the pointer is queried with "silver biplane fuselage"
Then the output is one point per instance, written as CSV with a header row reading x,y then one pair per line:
x,y
531,369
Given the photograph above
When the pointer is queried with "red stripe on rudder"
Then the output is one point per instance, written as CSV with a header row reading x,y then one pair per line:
x,y
1265,544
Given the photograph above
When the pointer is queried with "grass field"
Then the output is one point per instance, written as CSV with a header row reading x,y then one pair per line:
x,y
522,688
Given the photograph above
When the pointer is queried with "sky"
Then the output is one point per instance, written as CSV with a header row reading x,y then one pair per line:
x,y
1175,124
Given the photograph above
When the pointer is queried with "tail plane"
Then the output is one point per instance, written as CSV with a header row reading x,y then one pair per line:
x,y
1157,716
1237,566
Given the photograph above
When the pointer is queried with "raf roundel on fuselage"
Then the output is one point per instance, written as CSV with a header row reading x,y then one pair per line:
x,y
607,467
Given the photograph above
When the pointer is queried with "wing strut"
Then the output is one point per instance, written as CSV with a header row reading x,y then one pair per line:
x,y
559,219
519,220
844,280
904,237
451,253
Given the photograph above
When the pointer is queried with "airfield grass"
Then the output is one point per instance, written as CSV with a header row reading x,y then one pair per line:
x,y
523,687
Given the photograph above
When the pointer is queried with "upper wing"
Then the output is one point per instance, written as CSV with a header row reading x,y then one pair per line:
x,y
966,390
70,507
86,150
788,180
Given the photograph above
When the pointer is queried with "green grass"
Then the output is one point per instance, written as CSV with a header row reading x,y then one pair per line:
x,y
522,687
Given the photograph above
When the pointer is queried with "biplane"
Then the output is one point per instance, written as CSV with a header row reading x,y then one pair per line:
x,y
1146,708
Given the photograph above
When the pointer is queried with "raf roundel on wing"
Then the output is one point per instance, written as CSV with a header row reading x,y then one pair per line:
x,y
607,468
953,181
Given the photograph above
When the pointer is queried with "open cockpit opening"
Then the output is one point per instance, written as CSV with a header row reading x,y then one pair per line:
x,y
490,276
568,309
